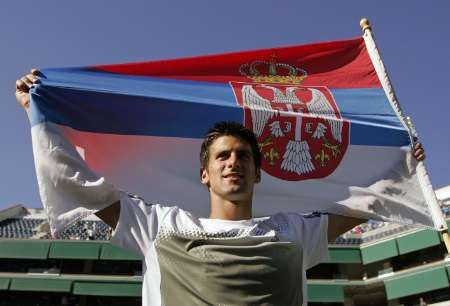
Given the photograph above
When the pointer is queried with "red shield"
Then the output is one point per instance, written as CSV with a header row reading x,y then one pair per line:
x,y
299,129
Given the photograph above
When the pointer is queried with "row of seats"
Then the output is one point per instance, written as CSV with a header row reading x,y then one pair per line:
x,y
85,230
348,241
19,228
387,233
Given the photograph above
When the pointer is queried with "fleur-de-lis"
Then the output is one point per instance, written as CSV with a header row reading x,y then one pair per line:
x,y
272,155
322,157
335,149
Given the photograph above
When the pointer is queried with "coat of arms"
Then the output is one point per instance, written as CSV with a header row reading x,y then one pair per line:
x,y
300,131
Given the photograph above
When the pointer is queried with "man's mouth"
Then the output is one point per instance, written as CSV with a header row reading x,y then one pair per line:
x,y
234,175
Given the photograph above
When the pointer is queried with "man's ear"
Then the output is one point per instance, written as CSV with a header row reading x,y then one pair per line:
x,y
204,177
258,176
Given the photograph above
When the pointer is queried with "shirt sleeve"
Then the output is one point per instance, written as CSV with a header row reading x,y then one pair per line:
x,y
138,224
69,189
312,233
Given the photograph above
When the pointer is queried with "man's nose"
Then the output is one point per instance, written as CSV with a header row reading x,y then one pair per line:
x,y
233,161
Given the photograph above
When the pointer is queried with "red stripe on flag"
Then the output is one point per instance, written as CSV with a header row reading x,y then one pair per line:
x,y
335,64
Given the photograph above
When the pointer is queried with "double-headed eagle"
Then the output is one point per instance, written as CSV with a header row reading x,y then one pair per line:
x,y
297,157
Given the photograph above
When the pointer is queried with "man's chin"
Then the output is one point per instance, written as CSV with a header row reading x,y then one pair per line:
x,y
236,194
235,189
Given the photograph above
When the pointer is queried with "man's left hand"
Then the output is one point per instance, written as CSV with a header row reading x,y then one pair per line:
x,y
419,153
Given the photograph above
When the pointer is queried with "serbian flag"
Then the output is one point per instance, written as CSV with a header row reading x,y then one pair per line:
x,y
330,139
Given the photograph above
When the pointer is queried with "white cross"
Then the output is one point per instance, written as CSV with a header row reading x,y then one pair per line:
x,y
298,120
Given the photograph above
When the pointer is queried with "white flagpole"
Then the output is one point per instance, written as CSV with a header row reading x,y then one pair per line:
x,y
422,175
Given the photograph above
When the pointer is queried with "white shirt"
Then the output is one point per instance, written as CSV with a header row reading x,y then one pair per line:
x,y
195,261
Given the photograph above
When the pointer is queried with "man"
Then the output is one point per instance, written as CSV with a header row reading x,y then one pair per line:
x,y
230,258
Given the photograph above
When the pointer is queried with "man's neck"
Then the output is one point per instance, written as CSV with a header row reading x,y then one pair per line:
x,y
230,210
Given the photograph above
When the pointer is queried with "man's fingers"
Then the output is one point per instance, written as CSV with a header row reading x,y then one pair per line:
x,y
419,152
18,84
421,157
21,85
32,78
27,82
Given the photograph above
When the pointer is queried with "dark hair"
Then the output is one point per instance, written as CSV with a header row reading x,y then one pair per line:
x,y
229,128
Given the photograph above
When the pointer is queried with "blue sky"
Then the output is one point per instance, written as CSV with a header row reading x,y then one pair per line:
x,y
413,37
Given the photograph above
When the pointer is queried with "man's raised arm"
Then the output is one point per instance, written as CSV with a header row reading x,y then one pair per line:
x,y
110,214
338,225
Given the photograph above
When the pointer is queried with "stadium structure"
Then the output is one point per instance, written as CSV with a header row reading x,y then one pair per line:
x,y
376,263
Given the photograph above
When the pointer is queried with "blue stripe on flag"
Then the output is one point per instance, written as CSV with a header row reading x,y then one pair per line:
x,y
129,105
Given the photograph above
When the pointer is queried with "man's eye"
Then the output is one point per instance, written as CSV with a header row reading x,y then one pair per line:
x,y
245,155
222,156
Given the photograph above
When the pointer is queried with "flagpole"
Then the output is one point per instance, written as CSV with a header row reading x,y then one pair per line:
x,y
422,175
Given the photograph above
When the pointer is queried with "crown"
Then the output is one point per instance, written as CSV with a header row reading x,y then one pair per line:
x,y
273,72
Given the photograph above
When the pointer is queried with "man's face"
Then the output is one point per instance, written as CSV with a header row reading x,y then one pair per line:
x,y
230,173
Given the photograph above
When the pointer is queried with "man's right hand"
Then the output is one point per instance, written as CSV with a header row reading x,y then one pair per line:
x,y
23,86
